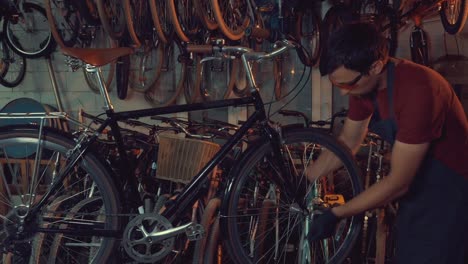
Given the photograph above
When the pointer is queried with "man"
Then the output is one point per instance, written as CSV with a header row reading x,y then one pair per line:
x,y
416,110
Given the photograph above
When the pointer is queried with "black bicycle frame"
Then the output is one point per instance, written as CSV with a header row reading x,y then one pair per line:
x,y
191,192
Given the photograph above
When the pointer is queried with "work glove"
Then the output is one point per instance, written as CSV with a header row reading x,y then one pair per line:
x,y
323,225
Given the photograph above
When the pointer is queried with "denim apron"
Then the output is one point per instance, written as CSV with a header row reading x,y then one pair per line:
x,y
433,214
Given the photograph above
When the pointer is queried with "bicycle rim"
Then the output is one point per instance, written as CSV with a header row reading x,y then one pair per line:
x,y
453,15
145,67
206,14
232,17
12,67
308,32
111,14
64,22
30,34
161,20
254,190
184,19
216,79
170,82
84,199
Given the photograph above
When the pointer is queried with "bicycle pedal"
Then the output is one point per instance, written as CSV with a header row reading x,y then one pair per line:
x,y
195,232
334,199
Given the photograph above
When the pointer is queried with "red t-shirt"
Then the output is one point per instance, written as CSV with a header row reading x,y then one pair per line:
x,y
426,110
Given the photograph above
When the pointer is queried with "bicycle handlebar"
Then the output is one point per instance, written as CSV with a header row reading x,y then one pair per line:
x,y
251,55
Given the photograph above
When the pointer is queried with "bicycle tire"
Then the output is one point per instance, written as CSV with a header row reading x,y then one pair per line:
x,y
145,67
451,25
65,29
185,21
207,220
308,25
38,39
252,183
12,67
138,18
170,82
206,14
419,46
112,16
191,92
90,177
161,21
121,70
231,22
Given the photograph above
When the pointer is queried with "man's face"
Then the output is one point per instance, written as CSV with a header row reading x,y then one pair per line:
x,y
353,82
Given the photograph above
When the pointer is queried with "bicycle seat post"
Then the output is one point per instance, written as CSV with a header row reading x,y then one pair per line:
x,y
102,86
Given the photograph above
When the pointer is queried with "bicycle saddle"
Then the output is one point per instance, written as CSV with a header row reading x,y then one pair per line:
x,y
97,57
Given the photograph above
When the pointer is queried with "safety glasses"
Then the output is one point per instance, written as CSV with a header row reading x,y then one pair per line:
x,y
349,85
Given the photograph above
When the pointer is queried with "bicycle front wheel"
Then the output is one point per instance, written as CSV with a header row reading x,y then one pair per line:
x,y
84,200
267,223
453,15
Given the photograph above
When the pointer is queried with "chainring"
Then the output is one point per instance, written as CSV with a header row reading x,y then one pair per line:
x,y
138,243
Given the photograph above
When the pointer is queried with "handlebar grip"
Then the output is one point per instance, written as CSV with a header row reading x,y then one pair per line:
x,y
200,48
256,32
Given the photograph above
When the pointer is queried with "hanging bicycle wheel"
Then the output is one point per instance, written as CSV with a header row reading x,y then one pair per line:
x,y
170,82
64,21
232,17
12,67
138,17
256,190
419,46
145,67
453,15
185,19
206,14
87,197
161,20
112,16
308,33
28,33
191,91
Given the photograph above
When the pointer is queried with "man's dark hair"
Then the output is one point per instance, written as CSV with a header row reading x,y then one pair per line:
x,y
355,46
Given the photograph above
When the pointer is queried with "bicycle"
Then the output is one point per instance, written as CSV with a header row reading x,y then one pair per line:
x,y
12,66
25,28
62,203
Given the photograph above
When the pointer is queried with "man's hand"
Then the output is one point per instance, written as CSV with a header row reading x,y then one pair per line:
x,y
323,225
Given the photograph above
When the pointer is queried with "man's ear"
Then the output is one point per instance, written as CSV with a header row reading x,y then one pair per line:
x,y
377,67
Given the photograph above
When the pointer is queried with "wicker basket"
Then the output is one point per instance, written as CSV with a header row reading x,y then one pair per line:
x,y
179,159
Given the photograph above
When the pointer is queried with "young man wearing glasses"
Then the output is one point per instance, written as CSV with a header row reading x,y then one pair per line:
x,y
415,109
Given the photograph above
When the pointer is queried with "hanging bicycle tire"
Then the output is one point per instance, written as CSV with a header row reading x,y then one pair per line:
x,y
254,181
308,33
64,21
161,20
112,16
145,67
453,15
206,14
29,33
232,19
419,46
216,79
12,66
139,25
185,19
170,82
87,179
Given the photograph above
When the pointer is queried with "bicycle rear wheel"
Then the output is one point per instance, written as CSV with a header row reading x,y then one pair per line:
x,y
29,33
64,21
256,190
161,20
453,15
86,199
185,19
12,67
308,33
